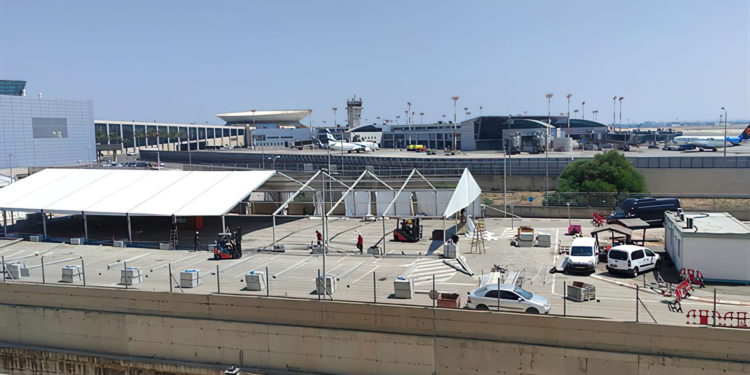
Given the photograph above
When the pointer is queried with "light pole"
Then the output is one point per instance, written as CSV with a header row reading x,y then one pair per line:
x,y
335,125
480,110
583,110
421,118
455,100
614,111
595,112
575,112
546,142
505,168
620,99
408,123
252,142
10,165
568,97
725,130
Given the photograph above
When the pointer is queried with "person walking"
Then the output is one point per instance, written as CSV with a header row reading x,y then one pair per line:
x,y
319,237
196,242
360,243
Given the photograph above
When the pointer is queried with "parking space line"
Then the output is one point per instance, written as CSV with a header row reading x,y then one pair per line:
x,y
174,261
301,262
364,274
128,260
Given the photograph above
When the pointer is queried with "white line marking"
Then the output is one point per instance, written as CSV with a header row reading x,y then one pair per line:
x,y
292,267
127,260
174,261
364,274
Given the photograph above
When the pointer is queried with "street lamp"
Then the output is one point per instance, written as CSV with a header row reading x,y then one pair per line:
x,y
620,99
568,97
595,112
273,161
614,111
725,130
583,110
455,100
546,142
252,142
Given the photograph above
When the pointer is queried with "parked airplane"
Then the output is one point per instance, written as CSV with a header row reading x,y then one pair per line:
x,y
710,142
349,147
371,145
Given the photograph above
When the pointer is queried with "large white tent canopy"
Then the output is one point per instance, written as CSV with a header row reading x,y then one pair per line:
x,y
466,192
131,192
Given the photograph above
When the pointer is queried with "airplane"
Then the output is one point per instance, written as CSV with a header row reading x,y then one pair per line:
x,y
371,145
710,142
349,147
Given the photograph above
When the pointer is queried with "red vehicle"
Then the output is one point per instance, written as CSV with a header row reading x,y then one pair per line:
x,y
228,246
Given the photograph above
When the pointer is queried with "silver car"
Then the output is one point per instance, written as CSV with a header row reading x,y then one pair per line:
x,y
510,297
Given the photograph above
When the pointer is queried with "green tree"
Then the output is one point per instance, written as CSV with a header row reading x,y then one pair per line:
x,y
606,172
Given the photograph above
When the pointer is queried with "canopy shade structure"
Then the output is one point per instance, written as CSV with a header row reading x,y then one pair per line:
x,y
131,192
465,193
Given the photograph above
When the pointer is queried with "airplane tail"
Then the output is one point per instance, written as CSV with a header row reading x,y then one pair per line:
x,y
745,135
330,136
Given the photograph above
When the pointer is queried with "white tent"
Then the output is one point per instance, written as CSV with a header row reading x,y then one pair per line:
x,y
465,194
131,192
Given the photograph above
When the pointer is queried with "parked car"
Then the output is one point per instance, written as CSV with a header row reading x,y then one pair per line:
x,y
650,210
583,256
632,259
512,298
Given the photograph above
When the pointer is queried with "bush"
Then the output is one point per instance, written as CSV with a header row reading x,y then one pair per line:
x,y
606,172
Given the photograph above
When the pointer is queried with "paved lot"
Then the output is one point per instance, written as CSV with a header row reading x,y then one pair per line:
x,y
293,273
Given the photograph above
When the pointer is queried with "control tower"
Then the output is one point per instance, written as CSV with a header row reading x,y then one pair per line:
x,y
354,112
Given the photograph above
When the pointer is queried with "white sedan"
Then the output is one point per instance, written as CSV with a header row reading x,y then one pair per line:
x,y
510,298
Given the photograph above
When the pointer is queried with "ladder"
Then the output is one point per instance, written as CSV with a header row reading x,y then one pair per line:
x,y
173,240
477,241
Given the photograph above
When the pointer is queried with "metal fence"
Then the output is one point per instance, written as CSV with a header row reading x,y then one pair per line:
x,y
439,165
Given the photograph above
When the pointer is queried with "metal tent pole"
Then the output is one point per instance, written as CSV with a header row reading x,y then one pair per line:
x,y
44,224
130,228
85,227
384,239
5,225
274,230
223,223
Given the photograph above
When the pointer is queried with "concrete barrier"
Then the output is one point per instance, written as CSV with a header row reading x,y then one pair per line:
x,y
341,337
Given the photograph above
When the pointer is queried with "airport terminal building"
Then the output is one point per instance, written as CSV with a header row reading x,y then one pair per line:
x,y
41,132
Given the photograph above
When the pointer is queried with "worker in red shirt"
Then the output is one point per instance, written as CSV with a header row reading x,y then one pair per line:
x,y
360,243
319,236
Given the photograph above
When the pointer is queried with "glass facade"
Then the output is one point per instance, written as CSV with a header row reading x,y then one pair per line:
x,y
62,134
13,88
168,136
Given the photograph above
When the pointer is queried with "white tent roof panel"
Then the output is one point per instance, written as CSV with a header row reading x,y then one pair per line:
x,y
466,192
56,190
120,192
98,192
224,194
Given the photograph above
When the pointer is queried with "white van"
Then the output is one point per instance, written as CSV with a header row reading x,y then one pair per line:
x,y
631,259
583,257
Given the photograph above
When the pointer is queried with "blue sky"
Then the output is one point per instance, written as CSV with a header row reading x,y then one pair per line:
x,y
185,61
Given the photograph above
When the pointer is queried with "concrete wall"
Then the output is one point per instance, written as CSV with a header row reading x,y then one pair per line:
x,y
37,360
697,180
339,337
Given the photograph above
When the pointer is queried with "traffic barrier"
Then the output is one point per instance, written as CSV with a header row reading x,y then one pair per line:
x,y
733,319
699,318
695,276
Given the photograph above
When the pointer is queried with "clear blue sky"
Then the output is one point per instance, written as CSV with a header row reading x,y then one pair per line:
x,y
188,60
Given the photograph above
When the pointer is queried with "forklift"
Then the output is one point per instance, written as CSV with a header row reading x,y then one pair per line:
x,y
408,230
228,245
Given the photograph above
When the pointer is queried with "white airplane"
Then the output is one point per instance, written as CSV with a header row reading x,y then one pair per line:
x,y
710,142
371,145
349,147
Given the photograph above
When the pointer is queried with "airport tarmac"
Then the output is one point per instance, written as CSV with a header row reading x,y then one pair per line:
x,y
644,151
368,278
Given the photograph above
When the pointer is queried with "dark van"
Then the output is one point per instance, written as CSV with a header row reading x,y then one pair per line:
x,y
650,210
